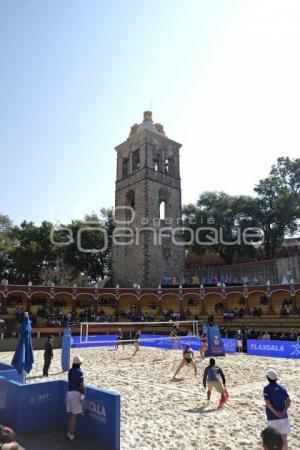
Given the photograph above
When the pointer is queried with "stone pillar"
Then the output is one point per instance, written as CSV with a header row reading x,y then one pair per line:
x,y
138,307
159,309
28,304
203,308
247,306
4,307
181,307
117,310
73,305
270,310
95,305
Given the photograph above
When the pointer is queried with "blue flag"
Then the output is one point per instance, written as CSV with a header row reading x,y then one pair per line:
x,y
23,358
65,349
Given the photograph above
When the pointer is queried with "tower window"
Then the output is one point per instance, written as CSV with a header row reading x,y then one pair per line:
x,y
156,161
130,201
162,210
125,167
136,162
166,165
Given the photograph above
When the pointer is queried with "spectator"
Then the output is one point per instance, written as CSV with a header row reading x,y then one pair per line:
x,y
272,439
48,355
210,318
266,336
239,338
7,439
277,403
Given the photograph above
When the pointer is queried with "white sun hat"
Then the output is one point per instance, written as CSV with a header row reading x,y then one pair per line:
x,y
272,374
77,360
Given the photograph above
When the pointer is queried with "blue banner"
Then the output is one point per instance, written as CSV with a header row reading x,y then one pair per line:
x,y
33,407
215,344
229,345
283,349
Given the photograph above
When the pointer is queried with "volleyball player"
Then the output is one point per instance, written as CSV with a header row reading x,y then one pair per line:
x,y
174,336
187,360
119,339
204,345
136,341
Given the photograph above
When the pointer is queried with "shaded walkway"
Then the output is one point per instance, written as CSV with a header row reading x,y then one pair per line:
x,y
54,439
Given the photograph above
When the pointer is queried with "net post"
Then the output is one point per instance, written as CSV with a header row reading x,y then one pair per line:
x,y
87,332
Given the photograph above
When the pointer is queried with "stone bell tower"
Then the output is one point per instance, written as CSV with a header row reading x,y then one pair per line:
x,y
148,240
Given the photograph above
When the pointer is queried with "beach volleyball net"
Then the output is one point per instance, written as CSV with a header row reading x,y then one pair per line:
x,y
152,334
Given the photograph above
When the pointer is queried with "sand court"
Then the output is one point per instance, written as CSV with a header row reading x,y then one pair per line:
x,y
157,413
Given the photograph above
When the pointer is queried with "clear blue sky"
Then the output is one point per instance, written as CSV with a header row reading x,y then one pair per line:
x,y
222,76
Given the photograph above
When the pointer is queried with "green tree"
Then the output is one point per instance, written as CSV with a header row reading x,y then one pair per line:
x,y
222,219
6,245
32,247
278,203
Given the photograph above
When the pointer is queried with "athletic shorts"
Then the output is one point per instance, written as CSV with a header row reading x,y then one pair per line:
x,y
240,343
281,425
74,404
217,385
187,360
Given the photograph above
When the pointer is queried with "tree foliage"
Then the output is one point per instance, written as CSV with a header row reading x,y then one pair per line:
x,y
275,209
78,252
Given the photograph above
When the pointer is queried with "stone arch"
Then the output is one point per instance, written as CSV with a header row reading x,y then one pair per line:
x,y
258,299
63,301
84,302
128,306
129,201
40,300
170,302
211,300
163,203
106,303
278,297
150,304
235,300
14,300
192,305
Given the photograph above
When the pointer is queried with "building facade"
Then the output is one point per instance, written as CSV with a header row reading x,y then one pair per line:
x,y
148,244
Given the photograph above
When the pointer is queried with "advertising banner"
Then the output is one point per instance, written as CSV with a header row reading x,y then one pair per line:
x,y
215,344
282,349
230,345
